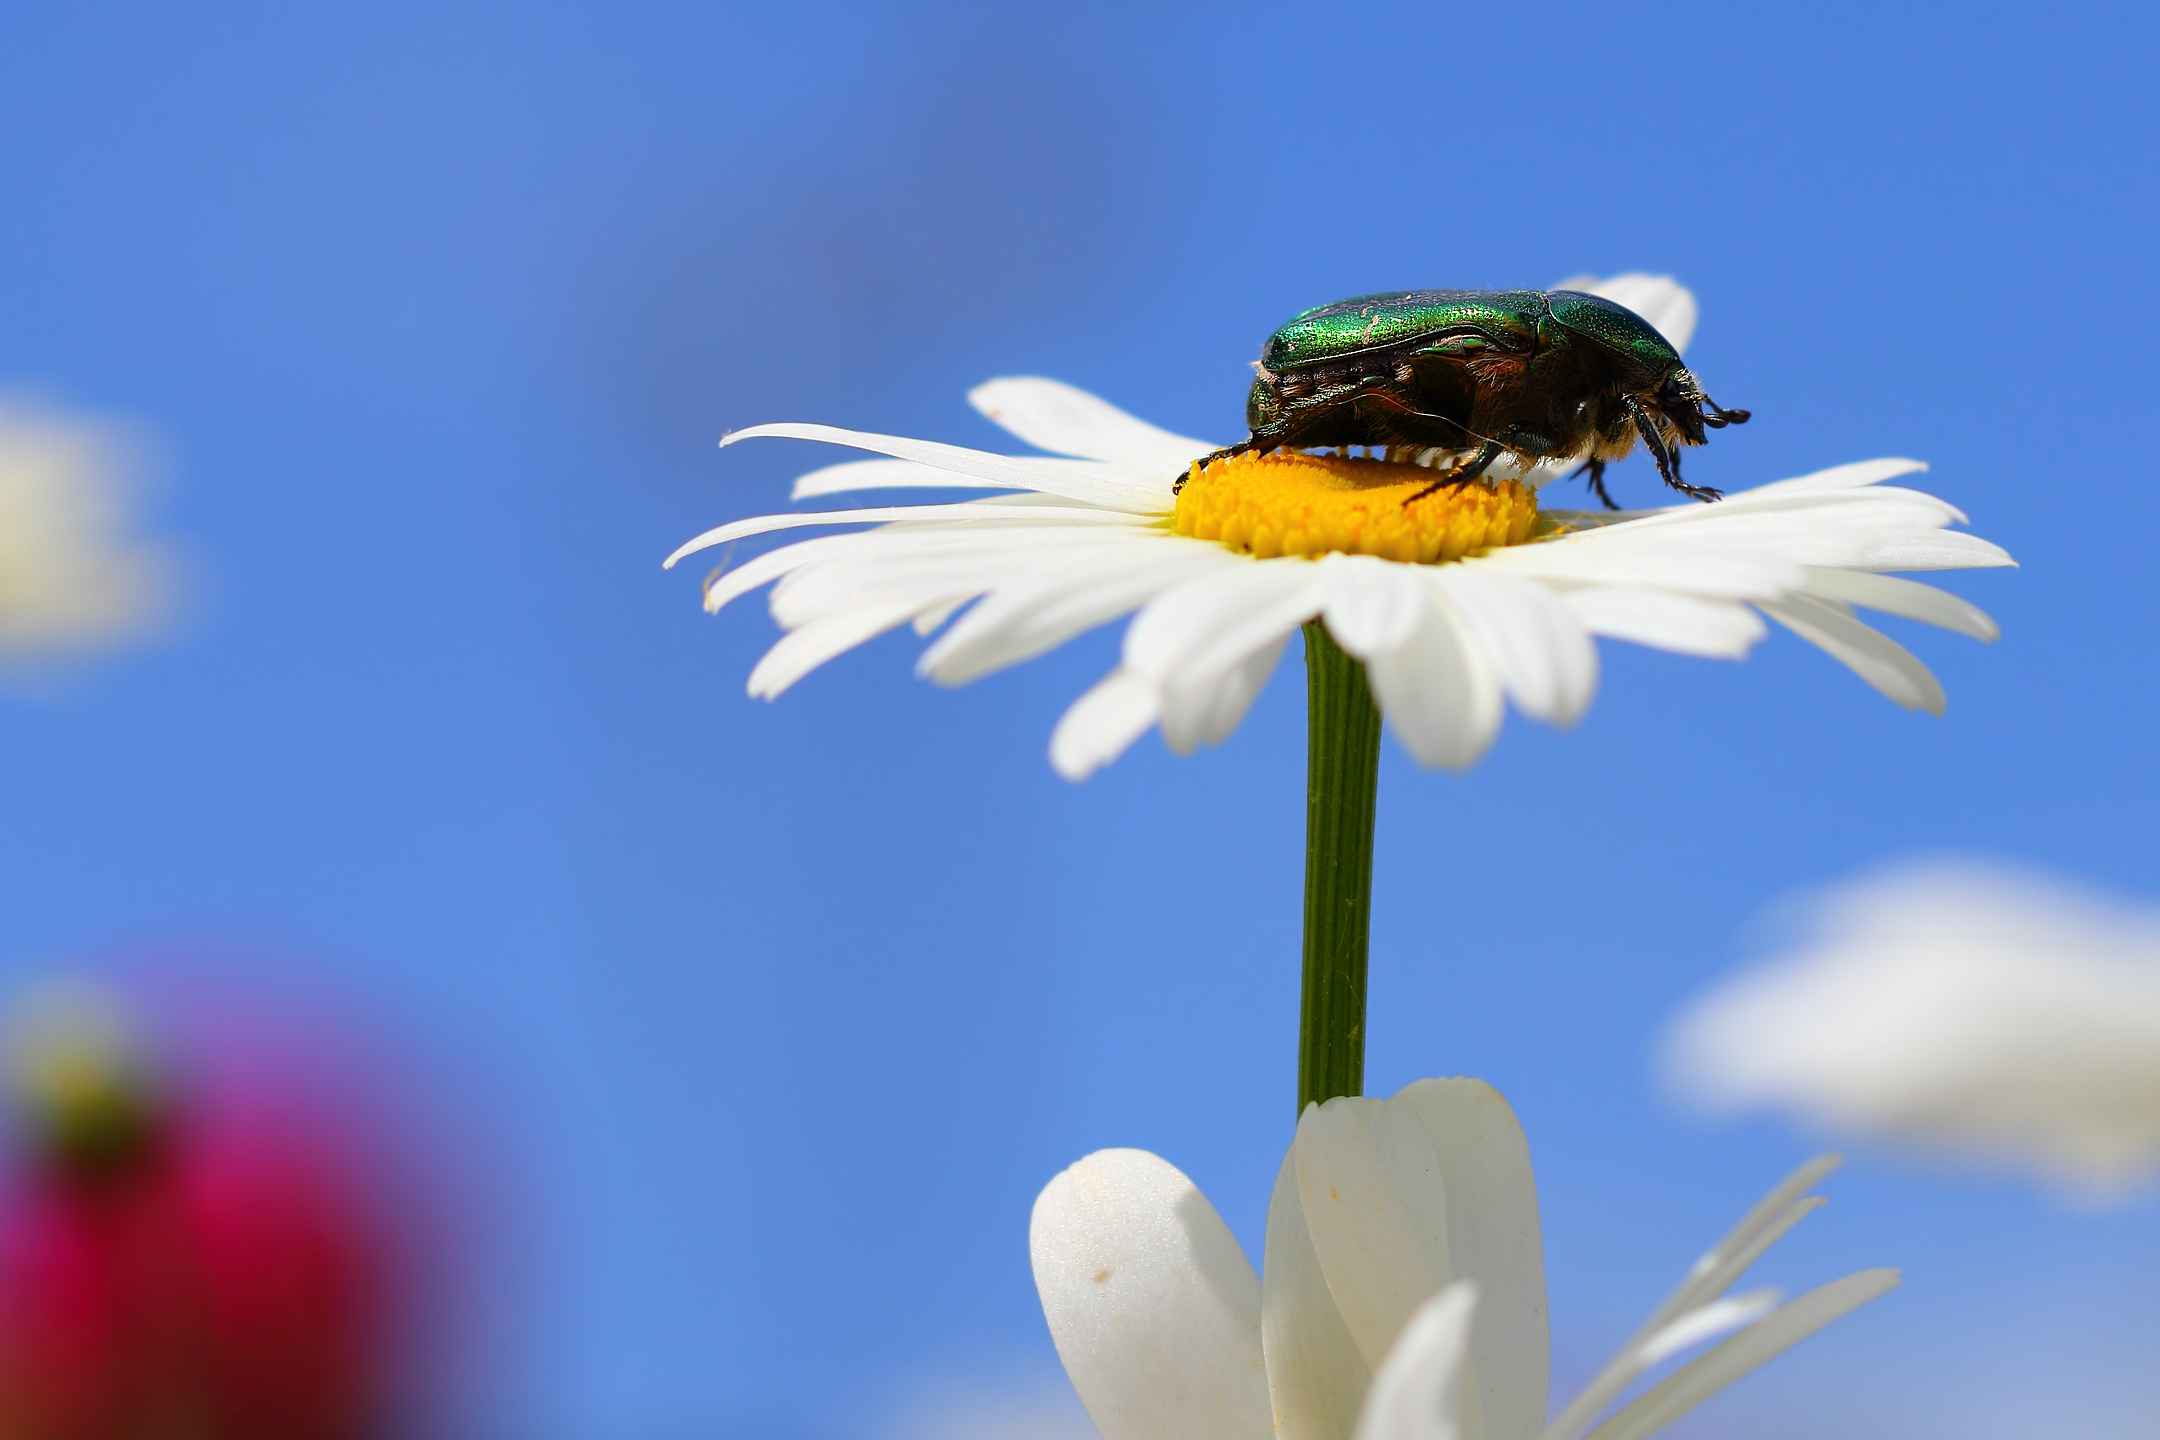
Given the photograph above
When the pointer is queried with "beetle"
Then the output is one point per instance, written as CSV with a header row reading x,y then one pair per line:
x,y
1541,375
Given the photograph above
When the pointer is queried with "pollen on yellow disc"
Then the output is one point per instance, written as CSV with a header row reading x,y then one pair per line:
x,y
1286,502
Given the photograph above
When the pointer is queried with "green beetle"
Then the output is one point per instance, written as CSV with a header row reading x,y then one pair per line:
x,y
1481,373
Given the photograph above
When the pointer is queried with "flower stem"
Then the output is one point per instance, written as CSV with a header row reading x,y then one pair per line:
x,y
1342,781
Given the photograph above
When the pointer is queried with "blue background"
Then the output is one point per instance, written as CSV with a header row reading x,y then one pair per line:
x,y
438,312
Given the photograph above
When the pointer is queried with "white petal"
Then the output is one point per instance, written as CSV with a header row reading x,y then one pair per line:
x,y
1493,1238
1154,1310
1713,629
1888,666
1216,620
928,622
1909,598
1054,416
1021,621
970,562
1202,707
1712,1274
1439,696
1617,557
1853,475
799,652
1715,1270
1102,724
1697,1381
1083,480
1376,1210
850,475
1372,604
1406,1196
1720,1317
1536,646
1316,1376
1422,1392
960,513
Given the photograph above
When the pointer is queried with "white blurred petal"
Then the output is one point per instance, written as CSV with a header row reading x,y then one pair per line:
x,y
1752,1348
1154,1309
73,578
1647,1351
1977,1011
1423,1391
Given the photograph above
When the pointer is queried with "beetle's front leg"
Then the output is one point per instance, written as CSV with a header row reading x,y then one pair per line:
x,y
1462,474
1668,465
1295,417
1177,486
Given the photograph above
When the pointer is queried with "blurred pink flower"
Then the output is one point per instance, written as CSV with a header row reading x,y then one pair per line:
x,y
180,1261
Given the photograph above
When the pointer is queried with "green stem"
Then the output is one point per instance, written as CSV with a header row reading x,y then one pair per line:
x,y
1342,781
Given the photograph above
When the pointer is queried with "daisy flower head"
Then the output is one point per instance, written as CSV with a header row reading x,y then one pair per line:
x,y
1401,1295
1458,602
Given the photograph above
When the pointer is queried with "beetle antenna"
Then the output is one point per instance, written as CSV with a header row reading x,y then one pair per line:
x,y
1718,417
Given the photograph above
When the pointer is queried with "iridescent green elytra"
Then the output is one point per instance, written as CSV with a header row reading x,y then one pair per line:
x,y
1478,374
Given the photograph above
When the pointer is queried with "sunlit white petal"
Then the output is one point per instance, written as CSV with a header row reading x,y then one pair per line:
x,y
1154,1309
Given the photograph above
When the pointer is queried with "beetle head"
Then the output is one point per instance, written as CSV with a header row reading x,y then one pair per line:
x,y
1680,400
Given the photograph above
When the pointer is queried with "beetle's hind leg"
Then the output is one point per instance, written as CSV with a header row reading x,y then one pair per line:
x,y
1462,474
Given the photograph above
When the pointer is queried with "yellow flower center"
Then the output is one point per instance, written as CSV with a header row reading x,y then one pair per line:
x,y
1286,502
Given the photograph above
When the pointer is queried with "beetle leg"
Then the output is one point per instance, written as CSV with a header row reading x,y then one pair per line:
x,y
1662,453
1178,485
1462,474
1595,470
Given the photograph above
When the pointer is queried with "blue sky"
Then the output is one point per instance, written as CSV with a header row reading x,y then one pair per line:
x,y
437,312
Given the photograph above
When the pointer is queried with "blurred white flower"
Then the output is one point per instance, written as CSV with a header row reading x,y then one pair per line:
x,y
72,578
1404,1283
1973,1010
1501,604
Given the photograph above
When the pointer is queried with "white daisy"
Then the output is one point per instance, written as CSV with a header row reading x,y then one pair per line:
x,y
71,577
1464,599
1972,1009
1403,1283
